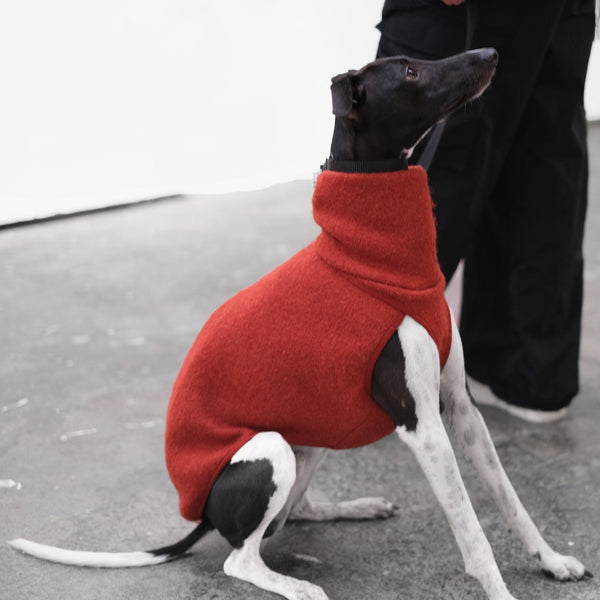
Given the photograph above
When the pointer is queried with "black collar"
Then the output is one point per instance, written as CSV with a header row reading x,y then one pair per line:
x,y
365,166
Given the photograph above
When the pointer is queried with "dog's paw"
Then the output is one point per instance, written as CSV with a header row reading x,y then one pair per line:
x,y
563,568
306,591
369,508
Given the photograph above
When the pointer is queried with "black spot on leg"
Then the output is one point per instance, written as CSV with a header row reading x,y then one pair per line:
x,y
470,437
388,386
239,499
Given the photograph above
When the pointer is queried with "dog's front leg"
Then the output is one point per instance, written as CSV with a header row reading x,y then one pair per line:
x,y
431,446
467,425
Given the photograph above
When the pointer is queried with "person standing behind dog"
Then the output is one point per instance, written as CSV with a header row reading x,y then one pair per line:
x,y
509,180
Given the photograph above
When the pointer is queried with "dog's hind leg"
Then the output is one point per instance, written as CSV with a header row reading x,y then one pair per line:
x,y
427,438
305,509
248,494
359,509
470,431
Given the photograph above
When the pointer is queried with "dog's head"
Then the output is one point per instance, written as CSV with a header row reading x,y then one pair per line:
x,y
391,103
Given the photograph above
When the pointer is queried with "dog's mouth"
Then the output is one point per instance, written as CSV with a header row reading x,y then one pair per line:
x,y
452,106
477,90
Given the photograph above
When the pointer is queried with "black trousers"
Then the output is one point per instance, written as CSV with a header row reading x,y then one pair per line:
x,y
509,181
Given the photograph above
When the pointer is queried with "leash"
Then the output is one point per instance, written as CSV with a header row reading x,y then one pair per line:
x,y
435,136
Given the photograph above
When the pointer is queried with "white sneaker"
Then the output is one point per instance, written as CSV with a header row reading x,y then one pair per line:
x,y
483,395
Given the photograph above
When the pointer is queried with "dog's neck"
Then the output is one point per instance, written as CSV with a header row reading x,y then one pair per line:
x,y
351,154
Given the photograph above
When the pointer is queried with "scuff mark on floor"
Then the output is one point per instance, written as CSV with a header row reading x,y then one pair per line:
x,y
308,558
79,433
145,424
9,483
22,402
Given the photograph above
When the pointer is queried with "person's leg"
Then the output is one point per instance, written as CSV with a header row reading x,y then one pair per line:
x,y
476,139
456,177
523,276
421,30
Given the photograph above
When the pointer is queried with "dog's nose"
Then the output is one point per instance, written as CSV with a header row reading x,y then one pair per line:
x,y
490,55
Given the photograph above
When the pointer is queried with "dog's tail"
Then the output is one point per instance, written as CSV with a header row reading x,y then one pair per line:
x,y
111,560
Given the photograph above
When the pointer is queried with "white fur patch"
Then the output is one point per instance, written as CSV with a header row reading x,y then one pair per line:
x,y
422,370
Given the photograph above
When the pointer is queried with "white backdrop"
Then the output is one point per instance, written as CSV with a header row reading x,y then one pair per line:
x,y
119,100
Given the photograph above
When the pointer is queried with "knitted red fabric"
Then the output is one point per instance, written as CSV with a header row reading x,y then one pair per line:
x,y
294,352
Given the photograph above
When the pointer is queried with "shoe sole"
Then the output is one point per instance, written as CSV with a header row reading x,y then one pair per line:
x,y
483,395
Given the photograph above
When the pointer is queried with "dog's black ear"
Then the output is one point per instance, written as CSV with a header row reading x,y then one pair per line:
x,y
346,93
341,94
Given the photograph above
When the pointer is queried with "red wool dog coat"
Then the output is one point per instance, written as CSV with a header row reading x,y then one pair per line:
x,y
295,352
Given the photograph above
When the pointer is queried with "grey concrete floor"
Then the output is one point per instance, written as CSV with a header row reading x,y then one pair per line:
x,y
96,316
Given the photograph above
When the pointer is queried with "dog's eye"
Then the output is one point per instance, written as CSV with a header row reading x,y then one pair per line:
x,y
411,74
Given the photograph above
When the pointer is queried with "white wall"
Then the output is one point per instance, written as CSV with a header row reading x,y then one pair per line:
x,y
119,100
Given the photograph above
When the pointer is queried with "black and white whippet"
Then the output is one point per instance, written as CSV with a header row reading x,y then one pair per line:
x,y
382,111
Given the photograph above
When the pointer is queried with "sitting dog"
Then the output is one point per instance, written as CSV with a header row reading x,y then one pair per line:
x,y
346,342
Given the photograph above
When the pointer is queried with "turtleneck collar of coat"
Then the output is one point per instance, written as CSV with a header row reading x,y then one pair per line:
x,y
379,230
